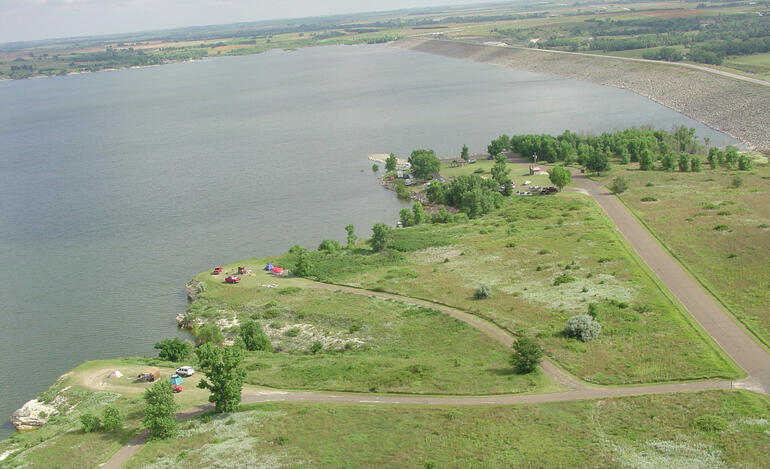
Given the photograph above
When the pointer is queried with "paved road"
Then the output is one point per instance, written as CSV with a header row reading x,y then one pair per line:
x,y
709,314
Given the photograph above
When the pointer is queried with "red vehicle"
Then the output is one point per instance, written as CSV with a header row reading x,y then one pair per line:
x,y
217,271
178,389
233,279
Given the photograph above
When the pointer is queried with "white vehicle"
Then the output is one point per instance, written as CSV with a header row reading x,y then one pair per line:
x,y
185,371
526,183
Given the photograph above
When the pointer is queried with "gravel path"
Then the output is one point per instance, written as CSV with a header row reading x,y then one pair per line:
x,y
729,103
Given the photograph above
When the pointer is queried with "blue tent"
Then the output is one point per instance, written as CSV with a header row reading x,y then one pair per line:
x,y
175,380
269,267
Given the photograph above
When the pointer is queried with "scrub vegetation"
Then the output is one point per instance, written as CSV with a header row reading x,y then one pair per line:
x,y
642,431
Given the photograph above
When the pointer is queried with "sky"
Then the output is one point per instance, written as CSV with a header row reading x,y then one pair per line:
x,y
23,20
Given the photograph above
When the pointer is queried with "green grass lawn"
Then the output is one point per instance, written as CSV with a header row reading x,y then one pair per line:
x,y
647,431
520,251
756,65
369,344
732,262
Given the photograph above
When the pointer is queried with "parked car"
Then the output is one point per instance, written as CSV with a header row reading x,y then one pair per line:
x,y
233,279
217,271
185,371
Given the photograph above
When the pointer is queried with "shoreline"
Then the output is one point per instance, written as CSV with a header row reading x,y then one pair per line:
x,y
739,109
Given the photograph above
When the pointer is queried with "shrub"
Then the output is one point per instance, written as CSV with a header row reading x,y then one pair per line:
x,y
90,422
208,333
722,228
619,185
483,292
695,164
583,327
593,310
563,278
684,162
745,163
526,355
112,418
710,423
254,338
173,350
293,332
737,182
649,199
330,245
316,347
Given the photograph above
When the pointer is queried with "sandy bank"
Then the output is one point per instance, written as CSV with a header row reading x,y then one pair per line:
x,y
737,108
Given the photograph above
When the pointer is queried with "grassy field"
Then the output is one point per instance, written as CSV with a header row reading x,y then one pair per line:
x,y
755,65
731,261
368,344
704,430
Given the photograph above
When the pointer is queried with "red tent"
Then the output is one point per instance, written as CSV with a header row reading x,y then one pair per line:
x,y
277,270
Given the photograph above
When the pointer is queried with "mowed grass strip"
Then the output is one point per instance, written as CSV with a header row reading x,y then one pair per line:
x,y
706,429
520,251
366,344
721,233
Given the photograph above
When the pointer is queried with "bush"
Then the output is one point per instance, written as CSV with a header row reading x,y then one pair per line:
x,y
254,337
649,198
745,163
173,350
710,423
619,185
737,182
208,333
293,332
112,418
583,327
90,422
330,245
483,292
563,278
593,310
316,347
526,355
722,228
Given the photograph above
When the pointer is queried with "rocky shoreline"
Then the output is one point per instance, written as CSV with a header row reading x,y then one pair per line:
x,y
739,109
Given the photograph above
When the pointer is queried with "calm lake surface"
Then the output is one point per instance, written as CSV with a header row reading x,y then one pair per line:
x,y
117,187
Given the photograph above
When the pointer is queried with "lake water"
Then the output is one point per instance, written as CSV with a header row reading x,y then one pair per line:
x,y
117,187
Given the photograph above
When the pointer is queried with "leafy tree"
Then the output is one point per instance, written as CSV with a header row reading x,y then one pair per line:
x,y
303,266
527,355
159,410
484,292
583,327
713,157
619,185
695,164
464,153
208,334
418,213
667,161
375,167
424,163
112,418
254,338
391,162
352,238
625,156
406,217
329,245
560,176
173,350
380,237
745,163
443,216
684,162
90,422
224,375
732,157
500,171
597,162
401,191
645,160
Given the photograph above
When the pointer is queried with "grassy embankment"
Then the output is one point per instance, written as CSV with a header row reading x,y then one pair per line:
x,y
719,232
645,431
61,443
520,251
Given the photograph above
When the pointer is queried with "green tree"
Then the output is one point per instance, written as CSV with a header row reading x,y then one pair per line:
x,y
380,237
527,355
391,162
745,163
464,153
500,171
375,167
224,375
731,157
406,217
208,334
90,422
330,245
401,191
597,162
560,176
418,213
646,161
254,338
695,164
159,410
667,162
352,238
684,162
112,418
303,266
424,163
173,350
619,185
